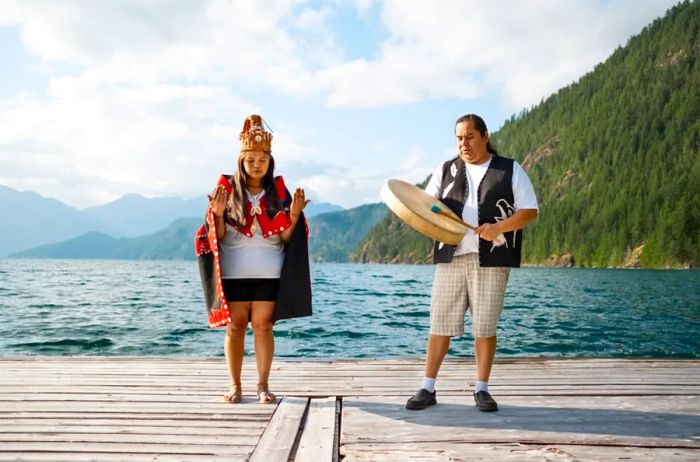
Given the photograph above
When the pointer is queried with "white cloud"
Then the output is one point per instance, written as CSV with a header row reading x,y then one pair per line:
x,y
521,50
83,32
353,185
156,91
154,139
451,49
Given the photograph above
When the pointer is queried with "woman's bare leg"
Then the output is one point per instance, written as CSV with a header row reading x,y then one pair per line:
x,y
262,317
234,342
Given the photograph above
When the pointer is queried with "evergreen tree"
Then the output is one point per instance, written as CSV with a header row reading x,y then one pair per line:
x,y
613,159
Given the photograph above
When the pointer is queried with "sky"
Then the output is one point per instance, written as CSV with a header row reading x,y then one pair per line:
x,y
103,98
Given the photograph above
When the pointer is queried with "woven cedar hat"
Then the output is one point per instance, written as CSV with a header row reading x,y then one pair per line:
x,y
254,137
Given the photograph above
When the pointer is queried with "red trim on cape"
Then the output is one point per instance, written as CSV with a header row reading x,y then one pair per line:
x,y
222,316
206,242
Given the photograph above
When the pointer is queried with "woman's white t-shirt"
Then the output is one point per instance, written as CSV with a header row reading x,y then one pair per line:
x,y
257,257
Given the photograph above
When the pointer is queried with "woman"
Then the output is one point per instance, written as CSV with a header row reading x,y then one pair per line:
x,y
253,257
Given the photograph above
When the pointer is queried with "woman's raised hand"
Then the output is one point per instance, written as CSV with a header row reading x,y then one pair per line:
x,y
218,201
298,203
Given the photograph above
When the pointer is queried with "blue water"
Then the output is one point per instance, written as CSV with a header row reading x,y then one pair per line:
x,y
86,307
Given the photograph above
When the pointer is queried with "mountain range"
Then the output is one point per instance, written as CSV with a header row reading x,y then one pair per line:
x,y
614,159
333,237
30,220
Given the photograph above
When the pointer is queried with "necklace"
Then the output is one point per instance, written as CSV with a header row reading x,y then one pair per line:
x,y
255,208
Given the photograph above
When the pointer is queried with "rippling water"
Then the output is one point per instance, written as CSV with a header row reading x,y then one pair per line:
x,y
87,307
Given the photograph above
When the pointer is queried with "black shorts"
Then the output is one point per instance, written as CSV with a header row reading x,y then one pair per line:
x,y
249,290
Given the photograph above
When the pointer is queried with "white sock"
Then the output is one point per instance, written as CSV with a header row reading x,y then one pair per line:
x,y
428,384
481,386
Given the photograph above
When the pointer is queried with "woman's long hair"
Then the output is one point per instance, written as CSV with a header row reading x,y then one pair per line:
x,y
238,200
480,126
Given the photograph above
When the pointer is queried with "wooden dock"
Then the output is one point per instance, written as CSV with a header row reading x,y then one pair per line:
x,y
171,409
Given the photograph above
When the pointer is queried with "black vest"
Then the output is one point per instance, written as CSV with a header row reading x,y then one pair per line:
x,y
495,203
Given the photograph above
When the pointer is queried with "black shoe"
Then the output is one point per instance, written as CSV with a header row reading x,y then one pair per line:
x,y
484,402
422,399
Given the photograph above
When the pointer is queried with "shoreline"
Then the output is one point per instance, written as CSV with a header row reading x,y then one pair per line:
x,y
325,359
392,262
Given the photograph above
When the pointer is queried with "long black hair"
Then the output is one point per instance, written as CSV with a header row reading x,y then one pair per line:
x,y
480,126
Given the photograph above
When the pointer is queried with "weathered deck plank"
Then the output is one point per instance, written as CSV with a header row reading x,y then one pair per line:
x,y
128,408
316,442
632,421
469,452
277,441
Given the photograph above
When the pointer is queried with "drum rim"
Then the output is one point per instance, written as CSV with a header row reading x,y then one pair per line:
x,y
414,220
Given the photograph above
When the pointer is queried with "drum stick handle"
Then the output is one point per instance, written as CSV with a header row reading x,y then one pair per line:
x,y
499,241
439,211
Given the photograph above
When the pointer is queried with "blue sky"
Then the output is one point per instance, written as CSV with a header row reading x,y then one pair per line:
x,y
103,98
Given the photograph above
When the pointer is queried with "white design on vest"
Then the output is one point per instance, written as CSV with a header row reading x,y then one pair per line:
x,y
453,170
506,210
447,189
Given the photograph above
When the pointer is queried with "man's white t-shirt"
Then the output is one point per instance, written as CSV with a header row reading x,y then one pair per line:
x,y
523,198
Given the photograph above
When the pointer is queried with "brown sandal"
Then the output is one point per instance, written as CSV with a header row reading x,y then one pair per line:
x,y
233,397
265,397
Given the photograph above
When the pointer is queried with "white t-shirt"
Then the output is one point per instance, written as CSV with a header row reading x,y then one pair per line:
x,y
523,198
257,257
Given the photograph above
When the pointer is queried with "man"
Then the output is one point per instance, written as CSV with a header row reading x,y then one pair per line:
x,y
495,194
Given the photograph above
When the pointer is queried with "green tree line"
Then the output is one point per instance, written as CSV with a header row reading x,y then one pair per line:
x,y
613,159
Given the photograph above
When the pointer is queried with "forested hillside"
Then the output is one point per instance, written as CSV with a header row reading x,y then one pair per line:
x,y
613,157
392,241
334,235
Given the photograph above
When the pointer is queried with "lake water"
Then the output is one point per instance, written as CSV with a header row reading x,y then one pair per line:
x,y
97,307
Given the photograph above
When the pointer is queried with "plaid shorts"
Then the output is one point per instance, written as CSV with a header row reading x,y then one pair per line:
x,y
460,285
